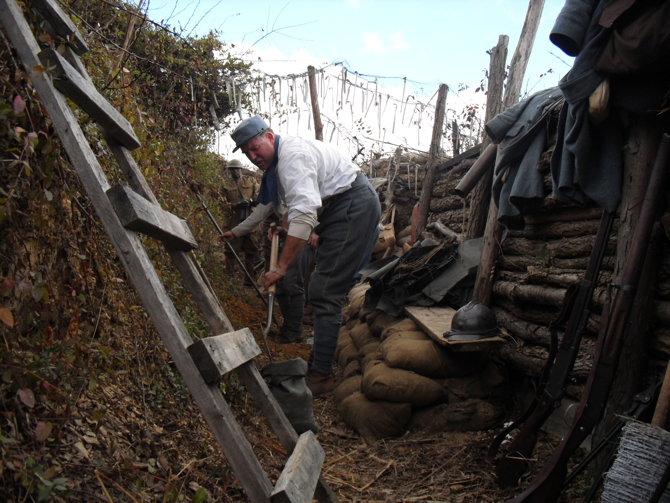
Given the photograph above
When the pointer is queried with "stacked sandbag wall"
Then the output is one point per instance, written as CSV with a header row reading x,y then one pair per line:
x,y
396,378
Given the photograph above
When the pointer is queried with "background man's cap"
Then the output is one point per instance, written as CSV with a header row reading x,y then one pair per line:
x,y
248,129
234,163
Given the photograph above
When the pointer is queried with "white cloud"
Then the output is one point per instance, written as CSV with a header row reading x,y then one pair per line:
x,y
354,4
374,43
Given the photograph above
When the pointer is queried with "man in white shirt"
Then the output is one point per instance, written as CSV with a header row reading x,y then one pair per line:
x,y
314,179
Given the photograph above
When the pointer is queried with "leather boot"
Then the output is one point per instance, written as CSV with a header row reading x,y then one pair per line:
x,y
320,384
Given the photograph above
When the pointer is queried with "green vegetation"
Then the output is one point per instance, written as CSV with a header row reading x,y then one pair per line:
x,y
85,380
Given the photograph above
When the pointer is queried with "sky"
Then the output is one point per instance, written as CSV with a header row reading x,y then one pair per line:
x,y
427,42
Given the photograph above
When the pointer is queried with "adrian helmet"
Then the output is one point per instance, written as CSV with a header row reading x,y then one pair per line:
x,y
472,322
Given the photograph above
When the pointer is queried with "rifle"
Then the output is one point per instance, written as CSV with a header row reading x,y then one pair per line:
x,y
547,485
549,396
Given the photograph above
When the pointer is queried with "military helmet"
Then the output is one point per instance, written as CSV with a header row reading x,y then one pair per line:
x,y
234,164
471,322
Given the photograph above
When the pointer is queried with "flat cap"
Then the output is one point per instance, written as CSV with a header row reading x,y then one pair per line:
x,y
248,129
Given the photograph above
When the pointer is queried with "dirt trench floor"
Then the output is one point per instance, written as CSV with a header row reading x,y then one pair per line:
x,y
446,467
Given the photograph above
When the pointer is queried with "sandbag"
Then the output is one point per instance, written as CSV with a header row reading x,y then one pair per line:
x,y
381,382
361,335
380,322
343,340
370,347
370,359
363,314
358,291
405,325
470,415
347,387
428,358
286,380
351,324
414,335
354,308
486,384
370,318
352,369
347,354
375,420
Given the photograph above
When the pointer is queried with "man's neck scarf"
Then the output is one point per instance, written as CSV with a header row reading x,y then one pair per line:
x,y
269,191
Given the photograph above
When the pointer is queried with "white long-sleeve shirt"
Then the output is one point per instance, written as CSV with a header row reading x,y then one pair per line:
x,y
257,216
309,172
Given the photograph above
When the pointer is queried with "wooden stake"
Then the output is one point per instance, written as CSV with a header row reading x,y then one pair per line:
x,y
486,272
481,195
316,111
433,157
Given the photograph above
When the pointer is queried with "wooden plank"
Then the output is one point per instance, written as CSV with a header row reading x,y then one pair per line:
x,y
218,355
134,257
435,321
443,166
297,481
74,86
139,215
61,23
478,345
271,410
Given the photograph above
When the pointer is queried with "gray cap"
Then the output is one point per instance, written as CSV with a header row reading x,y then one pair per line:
x,y
247,130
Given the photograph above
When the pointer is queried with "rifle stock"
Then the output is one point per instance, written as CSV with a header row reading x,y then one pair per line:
x,y
546,486
513,464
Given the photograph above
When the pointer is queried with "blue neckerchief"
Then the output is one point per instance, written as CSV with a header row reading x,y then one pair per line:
x,y
269,191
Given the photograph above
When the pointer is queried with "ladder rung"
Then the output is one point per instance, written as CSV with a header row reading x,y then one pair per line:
x,y
61,24
138,214
84,94
218,355
297,482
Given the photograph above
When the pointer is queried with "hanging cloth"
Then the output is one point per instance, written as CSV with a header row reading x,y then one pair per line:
x,y
269,191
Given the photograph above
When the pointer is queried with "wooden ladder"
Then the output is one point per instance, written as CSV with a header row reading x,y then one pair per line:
x,y
127,211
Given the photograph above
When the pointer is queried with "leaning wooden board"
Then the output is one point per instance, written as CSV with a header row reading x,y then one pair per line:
x,y
435,321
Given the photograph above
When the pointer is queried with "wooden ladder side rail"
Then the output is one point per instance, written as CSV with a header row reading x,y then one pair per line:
x,y
132,254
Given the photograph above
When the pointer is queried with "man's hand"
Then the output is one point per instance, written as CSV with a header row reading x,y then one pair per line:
x,y
227,236
312,240
272,277
280,231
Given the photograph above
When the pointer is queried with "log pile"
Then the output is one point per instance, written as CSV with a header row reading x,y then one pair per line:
x,y
536,267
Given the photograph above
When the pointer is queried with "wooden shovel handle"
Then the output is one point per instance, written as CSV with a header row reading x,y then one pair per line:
x,y
274,254
663,404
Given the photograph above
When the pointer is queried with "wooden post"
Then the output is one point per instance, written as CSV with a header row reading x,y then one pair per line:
x,y
455,138
519,62
481,195
129,37
486,271
316,111
433,157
